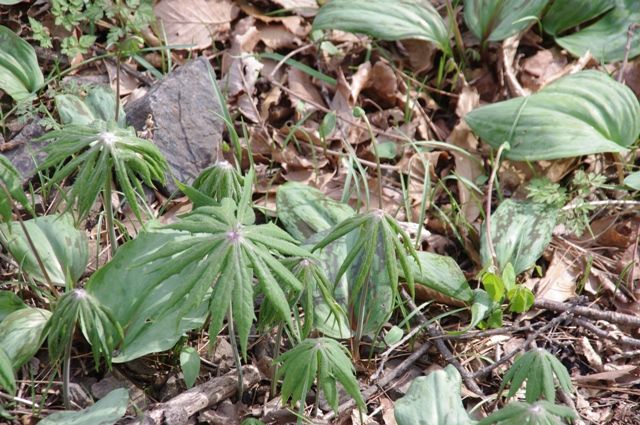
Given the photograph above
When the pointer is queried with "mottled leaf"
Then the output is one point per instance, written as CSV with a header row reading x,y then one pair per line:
x,y
106,411
21,334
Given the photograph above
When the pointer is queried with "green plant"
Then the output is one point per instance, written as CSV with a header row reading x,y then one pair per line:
x,y
580,114
79,308
219,181
20,75
539,413
379,237
94,153
537,367
498,286
11,190
324,361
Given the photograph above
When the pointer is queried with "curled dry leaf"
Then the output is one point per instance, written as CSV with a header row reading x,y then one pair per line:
x,y
537,69
559,282
420,54
382,85
195,22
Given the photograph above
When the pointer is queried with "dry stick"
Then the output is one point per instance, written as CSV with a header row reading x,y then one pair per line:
x,y
371,390
622,339
487,218
627,49
435,332
609,316
180,408
486,370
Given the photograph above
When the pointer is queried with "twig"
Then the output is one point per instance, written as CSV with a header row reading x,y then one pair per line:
x,y
487,220
608,316
434,332
486,370
627,49
622,339
606,203
19,400
371,390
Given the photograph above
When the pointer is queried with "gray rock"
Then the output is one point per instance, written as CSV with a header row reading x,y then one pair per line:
x,y
186,114
27,153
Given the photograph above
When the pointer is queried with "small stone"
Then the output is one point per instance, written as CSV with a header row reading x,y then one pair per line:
x,y
186,115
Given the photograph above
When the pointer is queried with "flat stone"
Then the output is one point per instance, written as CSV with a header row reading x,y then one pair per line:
x,y
27,153
186,115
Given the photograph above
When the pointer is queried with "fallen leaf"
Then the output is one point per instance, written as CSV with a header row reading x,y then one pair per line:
x,y
303,89
537,69
382,85
195,22
420,54
559,282
305,8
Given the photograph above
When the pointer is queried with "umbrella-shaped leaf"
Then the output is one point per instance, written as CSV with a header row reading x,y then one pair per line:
x,y
433,400
584,113
495,20
20,74
61,247
397,20
539,413
520,232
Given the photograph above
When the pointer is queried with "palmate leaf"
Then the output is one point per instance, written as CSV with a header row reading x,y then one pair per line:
x,y
580,114
538,368
540,413
324,361
397,20
220,181
94,152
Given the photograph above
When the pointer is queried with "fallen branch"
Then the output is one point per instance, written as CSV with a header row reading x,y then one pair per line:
x,y
179,409
592,313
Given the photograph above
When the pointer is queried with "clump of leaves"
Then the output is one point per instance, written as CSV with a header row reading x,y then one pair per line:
x,y
97,151
324,361
537,367
215,183
500,285
539,413
379,236
225,252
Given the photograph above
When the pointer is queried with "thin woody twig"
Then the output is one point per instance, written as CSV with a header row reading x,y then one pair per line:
x,y
487,219
627,49
608,316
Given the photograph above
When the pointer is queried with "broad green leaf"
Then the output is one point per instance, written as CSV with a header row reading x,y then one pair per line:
x,y
494,286
509,277
11,181
398,20
9,302
566,14
606,38
481,308
106,411
156,313
101,101
441,274
20,74
433,400
61,247
539,413
520,232
7,378
520,299
633,180
190,364
72,110
394,335
580,114
495,20
305,211
21,334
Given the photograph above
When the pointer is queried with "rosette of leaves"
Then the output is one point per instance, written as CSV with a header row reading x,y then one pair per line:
x,y
324,361
539,413
379,239
95,153
537,367
224,253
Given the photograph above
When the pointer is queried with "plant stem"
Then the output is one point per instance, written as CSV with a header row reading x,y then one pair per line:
x,y
117,87
374,142
108,210
234,348
276,354
487,219
66,373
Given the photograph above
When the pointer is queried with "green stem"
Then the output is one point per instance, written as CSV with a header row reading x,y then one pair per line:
x,y
108,210
275,356
234,348
66,373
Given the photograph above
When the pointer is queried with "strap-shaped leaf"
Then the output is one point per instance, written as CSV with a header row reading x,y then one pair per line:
x,y
7,378
563,15
386,20
495,20
581,114
20,74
